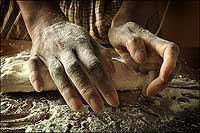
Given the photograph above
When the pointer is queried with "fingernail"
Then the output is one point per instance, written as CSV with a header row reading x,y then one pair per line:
x,y
96,104
112,99
75,104
38,86
140,55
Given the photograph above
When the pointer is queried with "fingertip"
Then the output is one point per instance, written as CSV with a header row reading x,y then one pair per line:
x,y
75,104
140,55
136,49
96,104
155,86
38,86
112,99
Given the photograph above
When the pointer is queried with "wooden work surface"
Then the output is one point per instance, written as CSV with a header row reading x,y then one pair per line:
x,y
174,109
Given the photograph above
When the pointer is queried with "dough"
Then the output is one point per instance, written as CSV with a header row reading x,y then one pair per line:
x,y
15,76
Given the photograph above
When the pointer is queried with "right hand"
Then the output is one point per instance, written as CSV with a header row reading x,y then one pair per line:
x,y
66,49
143,51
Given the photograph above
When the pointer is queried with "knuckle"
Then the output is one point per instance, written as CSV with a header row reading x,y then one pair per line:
x,y
82,82
56,70
132,24
93,65
175,48
87,92
96,69
63,88
136,41
73,68
76,73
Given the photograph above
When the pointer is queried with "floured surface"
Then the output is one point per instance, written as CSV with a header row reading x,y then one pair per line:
x,y
175,109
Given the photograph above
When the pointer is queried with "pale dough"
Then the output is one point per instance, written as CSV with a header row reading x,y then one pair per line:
x,y
15,76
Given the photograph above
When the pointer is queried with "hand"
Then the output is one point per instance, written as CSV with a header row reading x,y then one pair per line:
x,y
70,53
143,51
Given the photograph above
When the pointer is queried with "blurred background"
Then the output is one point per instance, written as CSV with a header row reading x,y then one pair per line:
x,y
181,26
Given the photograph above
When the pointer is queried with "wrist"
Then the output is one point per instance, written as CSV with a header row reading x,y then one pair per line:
x,y
40,14
45,21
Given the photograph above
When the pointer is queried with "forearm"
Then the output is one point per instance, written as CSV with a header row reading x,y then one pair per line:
x,y
40,13
134,11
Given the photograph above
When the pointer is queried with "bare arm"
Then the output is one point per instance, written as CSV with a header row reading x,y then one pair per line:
x,y
135,11
40,12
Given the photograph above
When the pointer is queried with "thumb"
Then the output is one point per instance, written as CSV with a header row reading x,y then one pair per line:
x,y
35,78
137,50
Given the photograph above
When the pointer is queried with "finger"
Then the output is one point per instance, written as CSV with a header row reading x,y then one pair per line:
x,y
151,76
149,67
34,63
59,76
128,60
170,56
81,81
104,55
169,64
152,63
146,67
97,72
167,50
137,49
156,86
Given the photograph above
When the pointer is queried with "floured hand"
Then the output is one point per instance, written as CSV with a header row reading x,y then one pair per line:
x,y
144,51
66,49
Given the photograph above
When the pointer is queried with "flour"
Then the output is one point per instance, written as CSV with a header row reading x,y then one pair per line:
x,y
48,112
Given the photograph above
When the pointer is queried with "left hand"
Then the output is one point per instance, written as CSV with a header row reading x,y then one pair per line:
x,y
143,51
76,63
